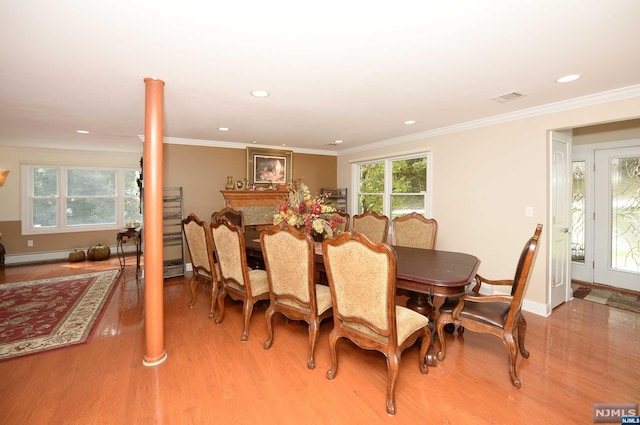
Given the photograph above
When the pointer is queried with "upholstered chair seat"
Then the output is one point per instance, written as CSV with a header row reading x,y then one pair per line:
x,y
491,314
259,283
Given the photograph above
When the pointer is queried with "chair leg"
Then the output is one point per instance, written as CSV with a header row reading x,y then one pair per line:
x,y
440,324
522,332
424,347
221,294
393,366
215,287
247,310
193,283
269,317
512,348
314,333
333,339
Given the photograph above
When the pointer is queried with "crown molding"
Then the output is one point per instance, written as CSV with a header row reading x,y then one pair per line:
x,y
240,145
578,102
75,150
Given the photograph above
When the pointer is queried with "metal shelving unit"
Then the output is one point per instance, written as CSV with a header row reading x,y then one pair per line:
x,y
337,198
172,212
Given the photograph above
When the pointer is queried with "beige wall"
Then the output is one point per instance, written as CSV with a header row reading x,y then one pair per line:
x,y
609,132
484,178
201,171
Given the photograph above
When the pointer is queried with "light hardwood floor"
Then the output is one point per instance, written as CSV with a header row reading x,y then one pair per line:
x,y
582,354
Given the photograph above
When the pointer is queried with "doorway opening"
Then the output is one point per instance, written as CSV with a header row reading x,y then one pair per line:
x,y
605,206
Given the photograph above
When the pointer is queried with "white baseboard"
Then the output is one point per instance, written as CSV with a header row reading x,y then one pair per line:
x,y
44,256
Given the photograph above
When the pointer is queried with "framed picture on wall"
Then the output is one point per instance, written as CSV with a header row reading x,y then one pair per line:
x,y
268,166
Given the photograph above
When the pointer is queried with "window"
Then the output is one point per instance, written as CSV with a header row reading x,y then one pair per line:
x,y
393,186
71,199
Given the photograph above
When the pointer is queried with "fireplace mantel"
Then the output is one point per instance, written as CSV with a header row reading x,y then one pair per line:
x,y
258,206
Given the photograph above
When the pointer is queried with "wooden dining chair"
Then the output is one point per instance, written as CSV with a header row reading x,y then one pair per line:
x,y
236,217
498,315
362,280
414,231
289,257
238,281
345,216
372,224
200,248
341,227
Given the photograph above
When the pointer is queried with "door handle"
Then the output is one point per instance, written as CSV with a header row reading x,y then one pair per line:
x,y
565,230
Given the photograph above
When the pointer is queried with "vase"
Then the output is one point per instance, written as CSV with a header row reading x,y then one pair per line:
x,y
230,184
317,237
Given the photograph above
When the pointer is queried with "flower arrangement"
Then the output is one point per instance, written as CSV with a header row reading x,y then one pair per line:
x,y
299,209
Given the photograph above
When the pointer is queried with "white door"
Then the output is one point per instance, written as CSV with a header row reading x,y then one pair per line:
x,y
559,280
617,218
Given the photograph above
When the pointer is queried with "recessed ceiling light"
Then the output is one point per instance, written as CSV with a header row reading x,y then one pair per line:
x,y
223,128
409,122
260,93
568,78
337,142
82,131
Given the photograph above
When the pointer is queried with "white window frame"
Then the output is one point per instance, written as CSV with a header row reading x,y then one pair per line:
x,y
388,184
61,226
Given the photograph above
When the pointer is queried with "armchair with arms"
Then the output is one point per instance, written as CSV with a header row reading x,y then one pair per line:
x,y
498,315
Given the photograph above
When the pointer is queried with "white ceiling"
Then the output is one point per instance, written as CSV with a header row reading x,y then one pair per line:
x,y
348,70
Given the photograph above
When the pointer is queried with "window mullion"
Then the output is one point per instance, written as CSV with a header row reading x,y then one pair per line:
x,y
119,197
61,220
388,187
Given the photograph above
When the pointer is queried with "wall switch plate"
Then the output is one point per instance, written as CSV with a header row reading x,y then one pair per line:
x,y
528,211
30,243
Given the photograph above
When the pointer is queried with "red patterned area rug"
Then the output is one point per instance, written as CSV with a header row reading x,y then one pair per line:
x,y
46,314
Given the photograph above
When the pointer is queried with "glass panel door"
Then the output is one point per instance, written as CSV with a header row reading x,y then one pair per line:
x,y
578,211
617,230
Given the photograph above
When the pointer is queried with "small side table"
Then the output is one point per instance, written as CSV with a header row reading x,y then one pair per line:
x,y
129,237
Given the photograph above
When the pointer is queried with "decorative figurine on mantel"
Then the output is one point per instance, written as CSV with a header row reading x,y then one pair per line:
x,y
230,183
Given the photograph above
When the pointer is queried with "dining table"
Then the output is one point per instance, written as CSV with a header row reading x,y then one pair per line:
x,y
422,274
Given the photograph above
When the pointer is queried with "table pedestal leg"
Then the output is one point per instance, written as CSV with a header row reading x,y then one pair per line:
x,y
420,303
423,304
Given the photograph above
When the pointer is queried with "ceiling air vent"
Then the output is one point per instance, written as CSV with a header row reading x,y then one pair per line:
x,y
509,96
